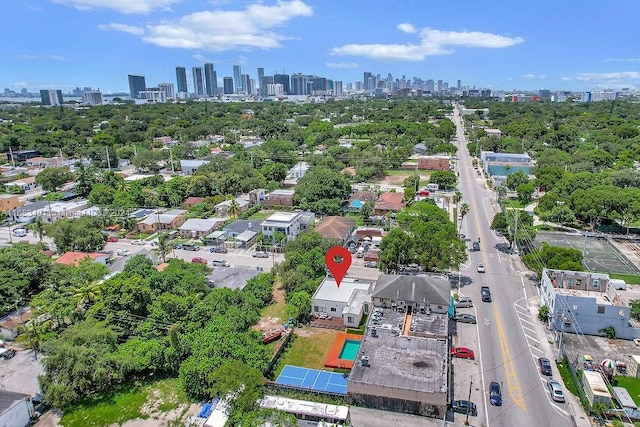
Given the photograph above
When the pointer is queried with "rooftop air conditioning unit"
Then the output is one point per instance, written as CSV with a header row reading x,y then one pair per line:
x,y
365,361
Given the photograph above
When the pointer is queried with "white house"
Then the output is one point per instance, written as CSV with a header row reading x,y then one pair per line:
x,y
299,170
351,300
223,207
287,223
16,409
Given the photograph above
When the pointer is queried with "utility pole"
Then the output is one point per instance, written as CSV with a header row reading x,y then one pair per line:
x,y
564,310
466,422
108,159
584,245
13,162
515,233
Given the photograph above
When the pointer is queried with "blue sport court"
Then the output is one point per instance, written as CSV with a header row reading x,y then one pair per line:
x,y
313,379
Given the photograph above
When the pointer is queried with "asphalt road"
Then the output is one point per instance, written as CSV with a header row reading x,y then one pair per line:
x,y
508,347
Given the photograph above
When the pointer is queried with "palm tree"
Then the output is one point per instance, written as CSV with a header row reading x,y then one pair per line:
x,y
86,294
234,208
457,197
164,247
464,210
38,227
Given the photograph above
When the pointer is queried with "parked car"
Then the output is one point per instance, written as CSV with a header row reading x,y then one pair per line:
x,y
480,267
371,264
495,394
464,302
190,247
20,232
545,366
220,263
112,239
463,353
556,391
8,354
123,252
138,242
177,246
465,318
465,407
261,254
219,250
198,260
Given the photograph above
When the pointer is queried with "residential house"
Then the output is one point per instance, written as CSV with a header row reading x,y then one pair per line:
x,y
287,223
48,211
388,203
279,198
222,208
359,198
306,219
27,184
420,149
190,201
350,301
257,196
335,227
189,166
298,171
74,258
585,303
48,162
9,202
198,227
250,142
162,221
16,409
242,231
10,324
496,133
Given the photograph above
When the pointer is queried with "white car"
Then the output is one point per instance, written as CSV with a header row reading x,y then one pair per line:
x,y
123,252
556,391
480,267
138,242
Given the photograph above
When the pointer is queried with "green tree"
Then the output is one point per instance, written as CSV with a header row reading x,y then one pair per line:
x,y
446,180
234,208
51,179
243,380
81,234
322,190
464,211
102,195
38,227
409,195
525,192
395,250
164,246
298,305
515,179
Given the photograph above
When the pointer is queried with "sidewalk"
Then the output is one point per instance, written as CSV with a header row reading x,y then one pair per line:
x,y
578,416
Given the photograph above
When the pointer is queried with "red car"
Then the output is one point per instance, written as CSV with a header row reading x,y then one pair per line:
x,y
199,260
112,239
462,353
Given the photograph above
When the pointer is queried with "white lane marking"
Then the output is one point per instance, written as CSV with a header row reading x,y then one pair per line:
x,y
531,338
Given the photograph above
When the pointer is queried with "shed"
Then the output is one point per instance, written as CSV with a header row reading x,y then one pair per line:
x,y
624,398
595,388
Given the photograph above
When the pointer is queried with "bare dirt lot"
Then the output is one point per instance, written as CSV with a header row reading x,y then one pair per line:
x,y
398,179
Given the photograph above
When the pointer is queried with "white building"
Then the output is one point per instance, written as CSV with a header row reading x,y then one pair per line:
x,y
275,89
167,88
92,97
351,300
188,167
287,223
318,413
151,97
298,171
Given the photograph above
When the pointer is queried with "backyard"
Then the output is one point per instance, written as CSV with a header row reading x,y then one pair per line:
x,y
309,348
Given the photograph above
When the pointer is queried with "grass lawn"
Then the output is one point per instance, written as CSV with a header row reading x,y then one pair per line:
x,y
126,403
567,379
260,215
513,203
309,349
631,384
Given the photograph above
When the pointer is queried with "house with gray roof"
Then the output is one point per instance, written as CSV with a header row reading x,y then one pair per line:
x,y
200,227
430,292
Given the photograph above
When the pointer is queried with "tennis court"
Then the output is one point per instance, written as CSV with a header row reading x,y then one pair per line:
x,y
313,379
599,255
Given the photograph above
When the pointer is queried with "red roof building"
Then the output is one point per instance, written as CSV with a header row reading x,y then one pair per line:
x,y
74,258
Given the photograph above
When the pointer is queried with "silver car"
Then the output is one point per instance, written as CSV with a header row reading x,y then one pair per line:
x,y
556,391
261,254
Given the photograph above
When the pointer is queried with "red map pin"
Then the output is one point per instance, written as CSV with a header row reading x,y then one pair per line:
x,y
338,269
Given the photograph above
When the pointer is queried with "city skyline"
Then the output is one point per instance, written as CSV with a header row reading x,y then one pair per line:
x,y
97,43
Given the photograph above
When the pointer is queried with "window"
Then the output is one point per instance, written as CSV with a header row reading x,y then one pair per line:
x,y
596,282
315,308
439,307
349,319
601,309
570,282
333,309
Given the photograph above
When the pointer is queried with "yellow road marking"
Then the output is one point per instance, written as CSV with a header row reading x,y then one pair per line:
x,y
513,385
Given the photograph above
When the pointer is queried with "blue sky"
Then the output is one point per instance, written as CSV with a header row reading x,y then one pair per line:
x,y
497,44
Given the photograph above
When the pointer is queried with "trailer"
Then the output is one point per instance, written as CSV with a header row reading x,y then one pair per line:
x,y
595,388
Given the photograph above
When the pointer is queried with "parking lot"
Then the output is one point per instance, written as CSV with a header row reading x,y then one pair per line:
x,y
20,374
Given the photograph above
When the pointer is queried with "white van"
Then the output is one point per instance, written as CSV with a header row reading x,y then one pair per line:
x,y
20,232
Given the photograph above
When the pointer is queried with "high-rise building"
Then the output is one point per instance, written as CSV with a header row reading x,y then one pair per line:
x,y
283,79
198,80
366,81
248,84
261,83
337,87
181,77
210,79
237,79
459,84
92,97
320,85
51,97
274,90
167,88
299,84
136,84
227,85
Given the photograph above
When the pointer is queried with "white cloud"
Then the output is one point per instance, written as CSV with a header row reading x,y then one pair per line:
x,y
223,30
608,80
122,6
341,65
621,60
26,57
136,31
530,76
431,42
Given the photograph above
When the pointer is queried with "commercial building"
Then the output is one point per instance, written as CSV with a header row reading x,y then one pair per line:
x,y
136,84
51,97
92,97
181,78
227,85
167,88
237,79
284,80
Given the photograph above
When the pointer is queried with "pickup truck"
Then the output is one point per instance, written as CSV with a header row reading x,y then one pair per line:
x,y
486,294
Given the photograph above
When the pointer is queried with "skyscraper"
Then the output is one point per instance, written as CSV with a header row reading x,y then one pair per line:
x,y
198,80
227,83
181,77
210,79
136,84
299,84
51,97
167,88
247,86
237,79
283,79
366,81
261,83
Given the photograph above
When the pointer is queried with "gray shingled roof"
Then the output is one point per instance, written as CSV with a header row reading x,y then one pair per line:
x,y
423,288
